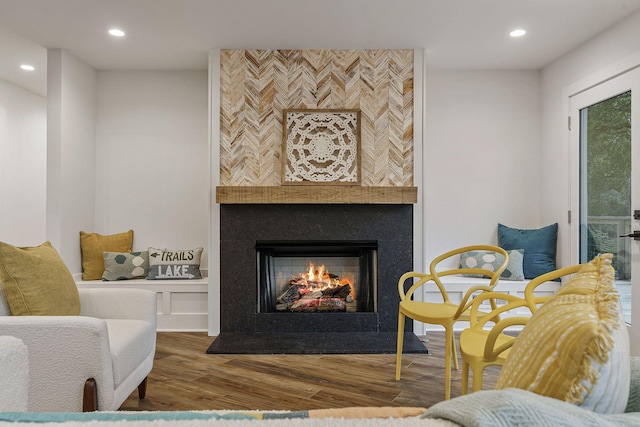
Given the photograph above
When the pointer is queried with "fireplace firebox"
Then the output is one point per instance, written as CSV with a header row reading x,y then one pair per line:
x,y
308,276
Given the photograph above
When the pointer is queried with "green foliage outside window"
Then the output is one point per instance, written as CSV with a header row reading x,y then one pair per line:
x,y
608,166
609,157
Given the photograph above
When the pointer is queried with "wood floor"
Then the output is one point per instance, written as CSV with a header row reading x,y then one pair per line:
x,y
185,378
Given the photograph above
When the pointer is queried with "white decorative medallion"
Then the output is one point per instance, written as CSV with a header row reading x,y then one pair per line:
x,y
321,146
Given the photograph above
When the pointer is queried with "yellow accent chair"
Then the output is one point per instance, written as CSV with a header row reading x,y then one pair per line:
x,y
445,313
481,347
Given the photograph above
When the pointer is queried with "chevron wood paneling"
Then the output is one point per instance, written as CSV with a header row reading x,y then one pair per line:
x,y
256,85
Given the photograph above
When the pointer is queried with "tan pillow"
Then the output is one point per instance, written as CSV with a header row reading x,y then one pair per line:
x,y
576,346
94,245
37,282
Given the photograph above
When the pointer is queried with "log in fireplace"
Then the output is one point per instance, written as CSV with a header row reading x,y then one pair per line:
x,y
255,239
310,276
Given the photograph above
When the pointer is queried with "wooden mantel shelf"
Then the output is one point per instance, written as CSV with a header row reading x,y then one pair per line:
x,y
316,194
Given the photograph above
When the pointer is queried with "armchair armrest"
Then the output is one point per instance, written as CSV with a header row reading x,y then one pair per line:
x,y
14,374
64,351
118,303
423,280
480,319
468,299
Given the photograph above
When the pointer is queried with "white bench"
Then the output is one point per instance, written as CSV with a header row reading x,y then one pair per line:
x,y
456,286
182,304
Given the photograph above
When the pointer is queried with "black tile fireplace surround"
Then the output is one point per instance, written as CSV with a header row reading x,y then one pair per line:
x,y
242,225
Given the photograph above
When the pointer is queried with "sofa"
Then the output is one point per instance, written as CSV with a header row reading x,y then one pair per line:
x,y
112,341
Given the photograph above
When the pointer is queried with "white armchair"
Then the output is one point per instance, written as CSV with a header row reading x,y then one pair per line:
x,y
89,362
14,374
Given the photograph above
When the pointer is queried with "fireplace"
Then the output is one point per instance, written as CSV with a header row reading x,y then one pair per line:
x,y
254,236
311,276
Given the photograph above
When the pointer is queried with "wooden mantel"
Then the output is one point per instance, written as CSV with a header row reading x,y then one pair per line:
x,y
316,194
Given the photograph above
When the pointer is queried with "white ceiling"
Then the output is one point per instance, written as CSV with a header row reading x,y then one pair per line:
x,y
177,34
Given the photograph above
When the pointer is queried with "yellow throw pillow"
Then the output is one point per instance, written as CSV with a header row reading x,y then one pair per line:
x,y
37,282
576,346
94,245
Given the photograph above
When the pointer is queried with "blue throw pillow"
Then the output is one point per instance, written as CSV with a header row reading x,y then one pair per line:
x,y
539,247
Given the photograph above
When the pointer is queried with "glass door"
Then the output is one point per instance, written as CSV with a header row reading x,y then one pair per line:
x,y
608,190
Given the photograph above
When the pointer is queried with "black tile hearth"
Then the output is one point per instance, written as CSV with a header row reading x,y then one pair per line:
x,y
314,343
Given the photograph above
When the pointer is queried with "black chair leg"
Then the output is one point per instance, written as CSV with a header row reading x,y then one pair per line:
x,y
142,388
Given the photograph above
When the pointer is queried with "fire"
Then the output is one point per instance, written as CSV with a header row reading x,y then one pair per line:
x,y
316,290
320,278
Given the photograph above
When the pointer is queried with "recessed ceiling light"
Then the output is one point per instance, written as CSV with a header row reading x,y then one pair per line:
x,y
27,67
116,32
518,33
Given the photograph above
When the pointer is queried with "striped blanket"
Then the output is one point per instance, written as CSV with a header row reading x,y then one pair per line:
x,y
515,407
337,417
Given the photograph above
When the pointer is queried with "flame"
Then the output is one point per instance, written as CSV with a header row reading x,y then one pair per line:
x,y
317,286
320,278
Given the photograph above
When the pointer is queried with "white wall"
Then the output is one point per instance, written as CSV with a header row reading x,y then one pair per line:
x,y
71,111
482,156
152,158
595,56
23,166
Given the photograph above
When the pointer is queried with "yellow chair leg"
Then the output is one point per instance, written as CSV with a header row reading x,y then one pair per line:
x,y
399,345
454,352
477,378
447,363
465,377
